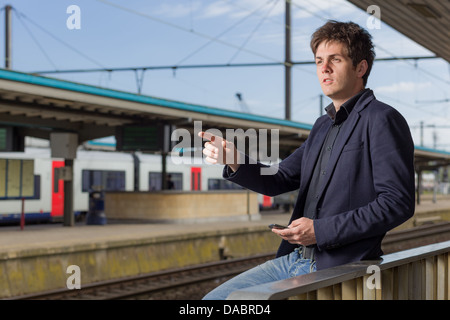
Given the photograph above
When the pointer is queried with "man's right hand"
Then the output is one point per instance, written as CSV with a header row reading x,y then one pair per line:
x,y
219,150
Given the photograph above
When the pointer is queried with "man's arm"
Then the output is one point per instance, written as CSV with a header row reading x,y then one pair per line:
x,y
282,177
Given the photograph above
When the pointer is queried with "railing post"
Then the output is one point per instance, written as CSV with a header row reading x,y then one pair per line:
x,y
430,279
325,293
349,290
403,282
368,293
441,281
415,280
387,284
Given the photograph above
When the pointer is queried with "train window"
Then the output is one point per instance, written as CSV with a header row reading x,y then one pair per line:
x,y
17,179
105,180
37,187
221,184
155,180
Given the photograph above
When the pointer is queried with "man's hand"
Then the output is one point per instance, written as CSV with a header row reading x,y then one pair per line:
x,y
300,231
219,150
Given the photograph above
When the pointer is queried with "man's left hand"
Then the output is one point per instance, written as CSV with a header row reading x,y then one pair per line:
x,y
300,231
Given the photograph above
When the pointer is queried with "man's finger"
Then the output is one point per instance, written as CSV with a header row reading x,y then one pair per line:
x,y
210,153
211,147
208,136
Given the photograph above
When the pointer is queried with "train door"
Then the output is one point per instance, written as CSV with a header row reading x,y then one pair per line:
x,y
196,178
267,202
57,191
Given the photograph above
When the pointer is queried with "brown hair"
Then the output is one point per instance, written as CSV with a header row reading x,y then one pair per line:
x,y
356,39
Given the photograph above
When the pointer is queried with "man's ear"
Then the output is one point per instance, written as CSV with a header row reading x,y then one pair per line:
x,y
361,68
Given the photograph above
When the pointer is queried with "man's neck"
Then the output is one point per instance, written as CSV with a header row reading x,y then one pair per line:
x,y
339,102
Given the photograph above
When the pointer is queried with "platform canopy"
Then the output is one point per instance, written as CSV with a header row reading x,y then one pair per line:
x,y
426,22
40,105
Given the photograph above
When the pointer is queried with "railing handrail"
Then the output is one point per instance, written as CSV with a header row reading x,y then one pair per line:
x,y
284,289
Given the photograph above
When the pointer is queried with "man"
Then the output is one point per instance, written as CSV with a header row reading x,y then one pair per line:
x,y
354,173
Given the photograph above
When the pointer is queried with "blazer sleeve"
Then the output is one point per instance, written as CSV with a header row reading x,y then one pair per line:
x,y
268,180
392,170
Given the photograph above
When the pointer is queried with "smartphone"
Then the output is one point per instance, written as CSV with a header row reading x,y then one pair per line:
x,y
276,226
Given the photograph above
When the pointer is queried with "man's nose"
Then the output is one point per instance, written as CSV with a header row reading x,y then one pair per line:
x,y
326,67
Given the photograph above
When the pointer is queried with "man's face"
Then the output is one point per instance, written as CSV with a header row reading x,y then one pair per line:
x,y
338,77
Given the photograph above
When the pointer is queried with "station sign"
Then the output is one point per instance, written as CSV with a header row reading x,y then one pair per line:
x,y
10,140
146,138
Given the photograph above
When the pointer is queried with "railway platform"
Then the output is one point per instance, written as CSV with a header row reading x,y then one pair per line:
x,y
41,257
38,257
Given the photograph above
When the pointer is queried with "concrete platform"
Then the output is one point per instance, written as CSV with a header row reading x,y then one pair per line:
x,y
37,258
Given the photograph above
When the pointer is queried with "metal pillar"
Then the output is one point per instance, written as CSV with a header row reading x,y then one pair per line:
x,y
287,60
419,185
69,219
8,36
64,145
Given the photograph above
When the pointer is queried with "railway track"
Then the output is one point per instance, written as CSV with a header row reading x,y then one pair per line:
x,y
192,283
183,283
422,235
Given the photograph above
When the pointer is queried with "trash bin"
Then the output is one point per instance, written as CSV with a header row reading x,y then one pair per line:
x,y
96,213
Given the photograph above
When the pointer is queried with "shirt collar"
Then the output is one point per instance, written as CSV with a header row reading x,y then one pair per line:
x,y
344,111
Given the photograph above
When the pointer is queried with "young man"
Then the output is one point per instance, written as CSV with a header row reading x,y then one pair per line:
x,y
354,173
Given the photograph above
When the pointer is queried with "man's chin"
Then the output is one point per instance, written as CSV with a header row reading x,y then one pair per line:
x,y
329,92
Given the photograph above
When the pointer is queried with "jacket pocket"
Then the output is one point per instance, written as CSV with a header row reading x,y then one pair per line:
x,y
353,146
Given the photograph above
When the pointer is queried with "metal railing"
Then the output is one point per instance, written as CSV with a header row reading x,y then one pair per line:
x,y
421,273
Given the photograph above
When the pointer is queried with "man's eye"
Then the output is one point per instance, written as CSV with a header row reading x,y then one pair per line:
x,y
319,62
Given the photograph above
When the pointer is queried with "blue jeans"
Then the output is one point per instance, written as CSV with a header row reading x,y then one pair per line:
x,y
281,268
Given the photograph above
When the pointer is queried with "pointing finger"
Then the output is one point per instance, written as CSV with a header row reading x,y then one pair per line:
x,y
207,135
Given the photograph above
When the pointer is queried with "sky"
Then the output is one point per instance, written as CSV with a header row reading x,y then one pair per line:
x,y
143,33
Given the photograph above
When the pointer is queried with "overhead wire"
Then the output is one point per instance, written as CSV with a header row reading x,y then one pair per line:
x,y
212,40
413,64
243,8
173,25
19,17
253,31
391,54
61,41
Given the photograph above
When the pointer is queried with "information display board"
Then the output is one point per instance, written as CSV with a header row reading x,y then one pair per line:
x,y
3,139
140,138
10,140
16,178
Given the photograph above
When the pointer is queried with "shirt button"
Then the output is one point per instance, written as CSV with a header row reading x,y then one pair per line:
x,y
323,172
329,148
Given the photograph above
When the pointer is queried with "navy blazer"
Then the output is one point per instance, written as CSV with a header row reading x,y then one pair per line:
x,y
368,189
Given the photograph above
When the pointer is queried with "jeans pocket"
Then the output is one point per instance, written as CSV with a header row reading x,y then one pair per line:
x,y
298,265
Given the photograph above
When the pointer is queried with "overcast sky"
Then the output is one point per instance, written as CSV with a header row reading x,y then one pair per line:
x,y
138,33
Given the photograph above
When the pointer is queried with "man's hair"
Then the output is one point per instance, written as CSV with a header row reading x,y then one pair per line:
x,y
356,39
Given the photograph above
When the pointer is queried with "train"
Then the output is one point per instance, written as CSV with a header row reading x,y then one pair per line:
x,y
93,170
